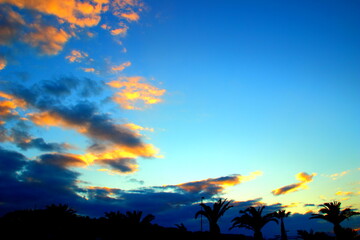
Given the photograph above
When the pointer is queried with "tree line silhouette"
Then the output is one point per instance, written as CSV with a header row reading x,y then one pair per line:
x,y
60,221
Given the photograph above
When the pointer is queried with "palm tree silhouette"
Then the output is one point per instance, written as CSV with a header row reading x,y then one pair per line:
x,y
213,214
253,219
332,213
281,214
135,218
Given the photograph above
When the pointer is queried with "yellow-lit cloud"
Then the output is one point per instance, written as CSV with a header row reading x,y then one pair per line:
x,y
341,193
303,177
135,93
335,176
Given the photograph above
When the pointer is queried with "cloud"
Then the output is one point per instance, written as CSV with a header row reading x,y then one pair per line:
x,y
9,104
134,91
11,23
303,177
50,40
76,56
88,69
132,16
64,19
212,186
117,145
335,176
82,14
119,31
3,62
121,67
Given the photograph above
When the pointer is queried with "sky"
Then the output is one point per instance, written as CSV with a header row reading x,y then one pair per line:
x,y
153,104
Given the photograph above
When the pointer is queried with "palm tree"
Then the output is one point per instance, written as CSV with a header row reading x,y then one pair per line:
x,y
252,219
332,213
134,218
281,214
114,217
213,214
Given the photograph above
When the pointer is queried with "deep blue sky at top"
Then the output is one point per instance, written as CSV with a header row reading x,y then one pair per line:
x,y
270,75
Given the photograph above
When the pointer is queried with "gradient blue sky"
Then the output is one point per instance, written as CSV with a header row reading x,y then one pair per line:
x,y
256,101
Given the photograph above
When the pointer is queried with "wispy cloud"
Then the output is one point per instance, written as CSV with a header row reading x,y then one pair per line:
x,y
121,67
336,176
303,179
76,56
135,93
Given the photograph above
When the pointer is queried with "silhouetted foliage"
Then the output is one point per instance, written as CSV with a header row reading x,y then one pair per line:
x,y
59,222
253,219
213,214
281,214
332,213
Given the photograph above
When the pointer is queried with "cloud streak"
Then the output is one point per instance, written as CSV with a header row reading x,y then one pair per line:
x,y
303,179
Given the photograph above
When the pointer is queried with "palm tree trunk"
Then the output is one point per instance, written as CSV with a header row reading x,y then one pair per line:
x,y
283,232
214,228
337,231
258,235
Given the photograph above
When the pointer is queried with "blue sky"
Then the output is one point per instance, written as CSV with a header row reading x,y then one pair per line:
x,y
258,100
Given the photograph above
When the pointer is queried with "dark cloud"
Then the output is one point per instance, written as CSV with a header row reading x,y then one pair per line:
x,y
124,165
309,205
10,162
44,97
27,183
21,137
61,160
10,25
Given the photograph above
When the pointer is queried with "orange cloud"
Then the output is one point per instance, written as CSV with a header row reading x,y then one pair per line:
x,y
303,177
76,56
48,39
119,31
3,63
217,185
82,14
88,69
135,90
121,67
8,106
132,16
